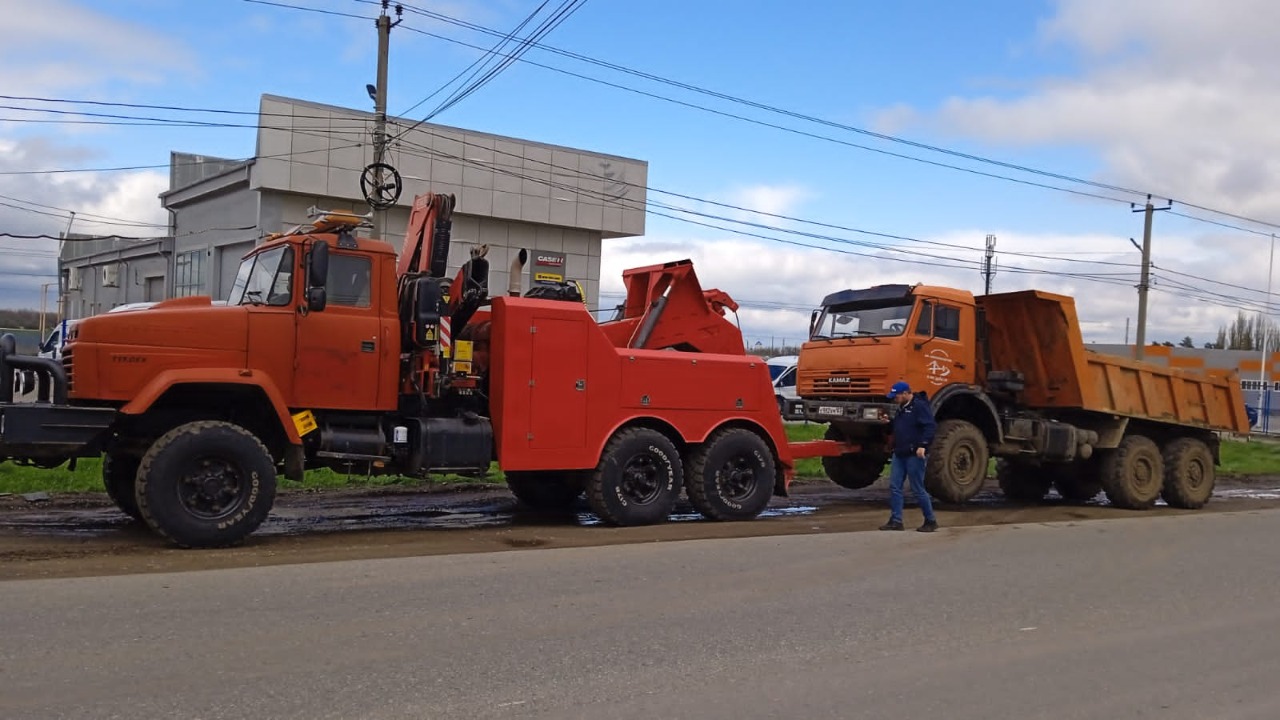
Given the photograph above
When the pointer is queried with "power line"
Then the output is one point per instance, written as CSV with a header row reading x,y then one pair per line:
x,y
567,8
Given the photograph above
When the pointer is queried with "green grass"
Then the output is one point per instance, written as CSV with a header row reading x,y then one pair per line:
x,y
87,477
1255,457
797,432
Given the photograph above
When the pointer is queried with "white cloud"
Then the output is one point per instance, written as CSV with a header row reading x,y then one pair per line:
x,y
1177,99
63,45
63,49
771,199
778,285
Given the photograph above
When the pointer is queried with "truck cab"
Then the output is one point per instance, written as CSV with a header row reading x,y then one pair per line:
x,y
863,341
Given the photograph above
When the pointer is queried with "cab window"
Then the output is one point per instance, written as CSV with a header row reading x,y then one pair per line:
x,y
349,280
264,279
924,326
948,323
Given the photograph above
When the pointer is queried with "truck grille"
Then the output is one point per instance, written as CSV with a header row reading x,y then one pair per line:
x,y
836,384
69,367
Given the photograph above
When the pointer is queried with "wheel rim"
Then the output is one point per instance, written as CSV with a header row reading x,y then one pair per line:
x,y
1196,475
643,478
1144,475
212,488
964,461
736,478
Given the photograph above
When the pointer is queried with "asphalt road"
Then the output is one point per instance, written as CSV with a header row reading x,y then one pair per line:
x,y
1170,618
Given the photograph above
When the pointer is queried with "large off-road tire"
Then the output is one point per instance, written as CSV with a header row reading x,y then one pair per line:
x,y
957,464
1022,482
731,476
206,484
1079,481
854,471
1188,473
119,475
1133,473
638,479
550,490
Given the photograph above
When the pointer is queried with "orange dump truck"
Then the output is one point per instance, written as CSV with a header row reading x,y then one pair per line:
x,y
1009,376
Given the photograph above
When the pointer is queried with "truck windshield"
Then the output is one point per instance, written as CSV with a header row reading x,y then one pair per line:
x,y
264,279
862,320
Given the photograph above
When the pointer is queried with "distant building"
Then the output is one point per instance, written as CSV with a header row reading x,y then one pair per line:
x,y
1247,363
511,194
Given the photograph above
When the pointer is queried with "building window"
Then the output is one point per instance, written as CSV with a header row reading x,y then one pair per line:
x,y
188,273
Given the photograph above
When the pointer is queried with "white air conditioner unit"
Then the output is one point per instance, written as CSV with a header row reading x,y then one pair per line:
x,y
73,278
111,275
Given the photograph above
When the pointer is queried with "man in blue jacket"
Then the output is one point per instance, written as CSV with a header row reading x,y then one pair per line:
x,y
913,429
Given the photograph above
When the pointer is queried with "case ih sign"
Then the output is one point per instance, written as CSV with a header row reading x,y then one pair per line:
x,y
547,266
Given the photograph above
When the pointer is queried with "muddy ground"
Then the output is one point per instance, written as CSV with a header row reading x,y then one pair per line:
x,y
76,535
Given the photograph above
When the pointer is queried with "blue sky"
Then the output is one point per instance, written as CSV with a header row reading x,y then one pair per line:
x,y
1174,105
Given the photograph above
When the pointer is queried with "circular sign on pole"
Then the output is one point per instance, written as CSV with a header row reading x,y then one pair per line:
x,y
381,185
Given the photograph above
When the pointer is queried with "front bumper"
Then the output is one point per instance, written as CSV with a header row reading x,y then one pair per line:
x,y
848,411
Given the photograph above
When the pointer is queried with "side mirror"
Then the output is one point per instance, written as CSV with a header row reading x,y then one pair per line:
x,y
317,266
317,299
813,322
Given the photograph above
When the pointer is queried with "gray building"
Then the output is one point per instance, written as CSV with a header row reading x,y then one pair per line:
x,y
511,194
101,273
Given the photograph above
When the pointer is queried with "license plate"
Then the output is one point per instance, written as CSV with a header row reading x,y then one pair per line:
x,y
827,410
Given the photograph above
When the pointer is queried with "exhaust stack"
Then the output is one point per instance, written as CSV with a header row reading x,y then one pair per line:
x,y
517,267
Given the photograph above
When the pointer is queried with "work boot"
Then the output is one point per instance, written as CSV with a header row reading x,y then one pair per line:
x,y
928,526
891,525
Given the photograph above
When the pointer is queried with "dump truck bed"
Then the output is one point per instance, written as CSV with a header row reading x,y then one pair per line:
x,y
1038,334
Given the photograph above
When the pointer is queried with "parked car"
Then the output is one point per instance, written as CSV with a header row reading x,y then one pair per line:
x,y
783,371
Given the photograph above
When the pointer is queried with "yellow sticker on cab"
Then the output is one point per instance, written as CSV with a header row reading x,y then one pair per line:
x,y
305,422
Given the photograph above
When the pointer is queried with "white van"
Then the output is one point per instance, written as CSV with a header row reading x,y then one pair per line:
x,y
783,371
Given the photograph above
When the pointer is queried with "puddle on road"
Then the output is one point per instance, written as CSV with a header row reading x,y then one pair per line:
x,y
398,513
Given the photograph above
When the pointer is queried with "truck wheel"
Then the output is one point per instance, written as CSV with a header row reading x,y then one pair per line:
x,y
550,490
1022,482
1133,473
120,475
1078,481
1188,473
957,464
731,476
854,471
638,479
206,484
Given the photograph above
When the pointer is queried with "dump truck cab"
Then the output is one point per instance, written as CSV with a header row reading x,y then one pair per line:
x,y
863,341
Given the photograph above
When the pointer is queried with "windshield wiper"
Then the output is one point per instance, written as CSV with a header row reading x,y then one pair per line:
x,y
254,297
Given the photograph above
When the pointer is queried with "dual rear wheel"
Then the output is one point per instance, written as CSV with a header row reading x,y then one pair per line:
x,y
641,473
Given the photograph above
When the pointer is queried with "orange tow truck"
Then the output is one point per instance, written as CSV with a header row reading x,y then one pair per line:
x,y
334,350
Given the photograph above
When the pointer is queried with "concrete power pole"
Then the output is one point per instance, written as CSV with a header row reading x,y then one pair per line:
x,y
62,282
1144,284
380,139
989,264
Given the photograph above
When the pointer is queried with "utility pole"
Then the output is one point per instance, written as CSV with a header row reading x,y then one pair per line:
x,y
380,139
62,282
1144,284
989,264
1264,329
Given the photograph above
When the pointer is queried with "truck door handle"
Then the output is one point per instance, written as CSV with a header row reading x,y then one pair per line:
x,y
368,346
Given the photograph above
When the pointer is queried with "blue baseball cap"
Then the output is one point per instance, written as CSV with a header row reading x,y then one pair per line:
x,y
898,388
